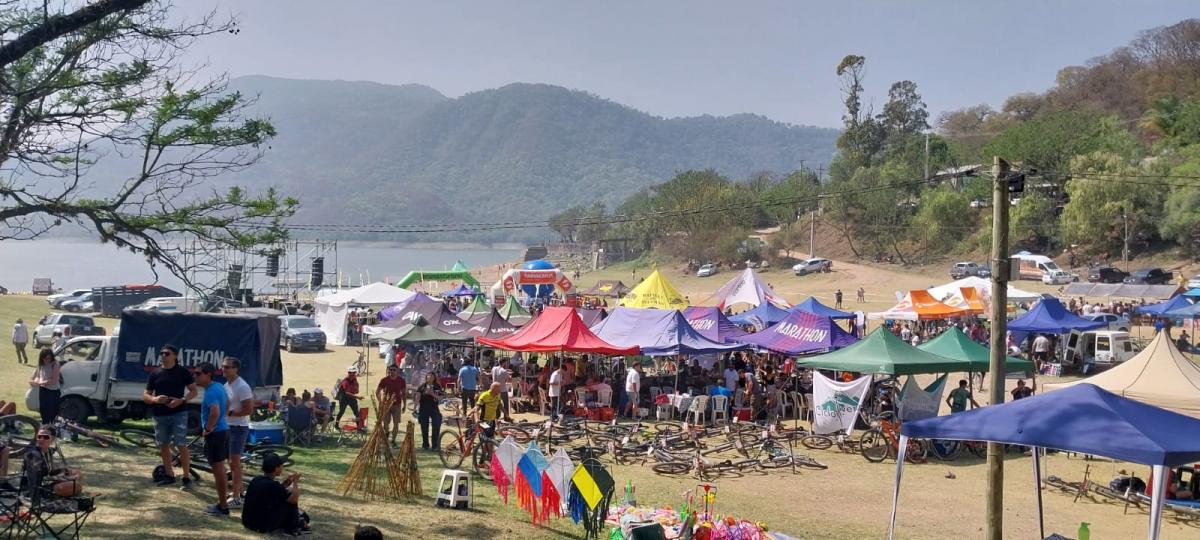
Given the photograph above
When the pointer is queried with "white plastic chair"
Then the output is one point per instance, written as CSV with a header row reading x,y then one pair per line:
x,y
698,410
654,392
720,409
604,397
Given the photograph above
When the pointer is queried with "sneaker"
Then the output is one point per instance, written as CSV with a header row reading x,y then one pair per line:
x,y
165,481
234,502
216,510
187,484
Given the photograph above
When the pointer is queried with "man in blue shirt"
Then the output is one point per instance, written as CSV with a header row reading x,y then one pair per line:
x,y
468,383
216,433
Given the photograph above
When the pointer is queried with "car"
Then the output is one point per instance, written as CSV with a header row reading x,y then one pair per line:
x,y
707,270
978,203
78,303
985,271
1058,277
963,269
1149,276
67,324
56,300
1118,323
813,265
1107,274
1194,282
297,332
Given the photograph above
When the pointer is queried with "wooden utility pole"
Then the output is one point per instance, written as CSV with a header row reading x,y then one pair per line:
x,y
812,234
1001,270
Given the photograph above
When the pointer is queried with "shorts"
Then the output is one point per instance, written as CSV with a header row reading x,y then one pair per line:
x,y
171,429
237,439
393,414
216,446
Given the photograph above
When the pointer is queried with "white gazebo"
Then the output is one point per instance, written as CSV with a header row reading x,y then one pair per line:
x,y
331,310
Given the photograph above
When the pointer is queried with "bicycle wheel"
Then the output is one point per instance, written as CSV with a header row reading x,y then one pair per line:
x,y
481,459
816,442
807,461
519,435
672,468
18,433
776,462
139,438
944,450
667,427
917,451
451,450
874,445
280,450
450,406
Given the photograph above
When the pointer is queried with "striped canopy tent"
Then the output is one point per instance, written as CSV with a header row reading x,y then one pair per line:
x,y
919,305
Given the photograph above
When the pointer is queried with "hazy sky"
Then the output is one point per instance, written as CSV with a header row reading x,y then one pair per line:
x,y
683,58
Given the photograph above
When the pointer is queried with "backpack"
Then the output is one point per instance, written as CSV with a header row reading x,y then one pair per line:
x,y
159,473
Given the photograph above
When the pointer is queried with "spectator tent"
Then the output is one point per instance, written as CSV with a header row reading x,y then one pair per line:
x,y
657,332
654,292
557,329
746,288
814,306
1160,375
477,308
419,331
712,324
1083,418
514,313
760,317
591,317
882,352
1050,317
420,306
489,325
953,343
330,311
610,288
1176,302
984,286
919,305
800,333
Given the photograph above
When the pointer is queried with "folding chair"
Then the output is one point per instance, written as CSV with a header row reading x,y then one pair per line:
x,y
351,427
301,425
13,522
70,514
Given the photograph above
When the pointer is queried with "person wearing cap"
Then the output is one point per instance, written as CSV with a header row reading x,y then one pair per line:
x,y
168,389
348,396
392,389
273,506
213,410
321,407
20,338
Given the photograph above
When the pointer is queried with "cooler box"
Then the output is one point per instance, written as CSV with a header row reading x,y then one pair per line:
x,y
581,412
742,414
260,431
606,414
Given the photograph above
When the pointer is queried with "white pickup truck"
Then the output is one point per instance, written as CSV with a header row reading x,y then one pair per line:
x,y
67,323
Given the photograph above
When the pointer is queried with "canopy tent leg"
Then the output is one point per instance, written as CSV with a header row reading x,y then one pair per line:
x,y
1037,484
903,446
1158,480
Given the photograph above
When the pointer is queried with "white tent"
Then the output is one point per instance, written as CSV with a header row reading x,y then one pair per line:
x,y
985,288
746,288
331,310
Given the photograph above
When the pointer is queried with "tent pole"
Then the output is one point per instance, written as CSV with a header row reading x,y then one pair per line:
x,y
1037,485
1158,480
896,490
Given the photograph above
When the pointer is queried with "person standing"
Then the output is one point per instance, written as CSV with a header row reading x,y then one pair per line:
x,y
862,295
633,386
502,375
348,396
20,338
213,409
1041,351
555,388
241,404
46,378
428,414
393,390
1022,391
468,384
168,389
837,299
959,397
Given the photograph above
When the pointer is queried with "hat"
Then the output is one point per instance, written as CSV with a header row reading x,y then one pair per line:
x,y
271,462
352,369
319,391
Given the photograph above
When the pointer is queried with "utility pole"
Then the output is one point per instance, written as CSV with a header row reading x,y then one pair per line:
x,y
812,234
1000,276
926,156
1125,250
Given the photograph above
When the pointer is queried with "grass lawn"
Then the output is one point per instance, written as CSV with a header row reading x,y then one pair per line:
x,y
849,500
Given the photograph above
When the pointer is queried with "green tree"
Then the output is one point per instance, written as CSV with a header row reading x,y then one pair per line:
x,y
87,83
862,137
797,193
1175,121
1047,143
566,223
943,219
905,113
1101,205
1181,210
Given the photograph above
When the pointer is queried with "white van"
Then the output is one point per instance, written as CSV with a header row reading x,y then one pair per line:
x,y
171,304
1099,347
1040,267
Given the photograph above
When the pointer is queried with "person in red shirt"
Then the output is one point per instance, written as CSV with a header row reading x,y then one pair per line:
x,y
347,396
392,388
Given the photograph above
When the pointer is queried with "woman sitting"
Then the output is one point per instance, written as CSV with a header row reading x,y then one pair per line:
x,y
41,471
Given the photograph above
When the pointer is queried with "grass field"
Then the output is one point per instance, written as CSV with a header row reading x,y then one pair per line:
x,y
849,500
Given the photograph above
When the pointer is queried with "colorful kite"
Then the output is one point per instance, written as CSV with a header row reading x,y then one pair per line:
x,y
591,490
556,480
529,480
504,465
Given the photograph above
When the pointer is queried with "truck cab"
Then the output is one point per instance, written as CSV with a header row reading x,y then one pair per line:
x,y
1100,348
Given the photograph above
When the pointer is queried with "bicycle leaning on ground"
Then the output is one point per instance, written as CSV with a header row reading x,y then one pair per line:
x,y
882,441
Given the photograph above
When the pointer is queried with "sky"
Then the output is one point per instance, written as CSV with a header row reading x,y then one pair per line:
x,y
684,57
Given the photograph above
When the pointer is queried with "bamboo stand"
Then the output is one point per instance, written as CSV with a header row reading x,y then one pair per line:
x,y
401,472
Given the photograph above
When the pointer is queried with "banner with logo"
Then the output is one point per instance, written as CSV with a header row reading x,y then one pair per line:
x,y
836,404
916,403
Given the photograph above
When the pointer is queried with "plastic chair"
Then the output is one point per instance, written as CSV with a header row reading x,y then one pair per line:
x,y
698,409
654,392
543,401
720,409
604,397
457,494
663,412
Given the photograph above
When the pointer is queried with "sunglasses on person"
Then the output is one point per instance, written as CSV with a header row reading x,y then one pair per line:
x,y
228,367
164,353
44,437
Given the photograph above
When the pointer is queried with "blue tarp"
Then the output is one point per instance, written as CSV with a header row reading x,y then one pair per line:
x,y
200,337
812,305
762,316
1192,292
658,332
1162,308
1190,311
1083,418
461,290
1049,316
801,333
712,324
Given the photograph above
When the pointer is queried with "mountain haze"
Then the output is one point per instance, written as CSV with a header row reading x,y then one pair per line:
x,y
370,153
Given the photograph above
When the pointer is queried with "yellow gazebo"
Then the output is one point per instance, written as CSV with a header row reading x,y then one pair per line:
x,y
654,292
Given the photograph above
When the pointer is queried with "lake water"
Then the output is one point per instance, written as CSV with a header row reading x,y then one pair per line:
x,y
73,264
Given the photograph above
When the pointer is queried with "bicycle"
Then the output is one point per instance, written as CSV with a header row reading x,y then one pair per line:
x,y
361,363
883,441
469,440
814,441
18,432
61,425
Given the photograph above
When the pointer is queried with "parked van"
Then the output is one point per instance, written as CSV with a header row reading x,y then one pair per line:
x,y
1035,267
1097,347
171,304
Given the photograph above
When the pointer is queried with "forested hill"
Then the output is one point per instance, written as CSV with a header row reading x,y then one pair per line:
x,y
368,153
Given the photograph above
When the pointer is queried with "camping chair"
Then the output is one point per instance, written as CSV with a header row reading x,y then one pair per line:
x,y
69,513
351,429
301,425
13,523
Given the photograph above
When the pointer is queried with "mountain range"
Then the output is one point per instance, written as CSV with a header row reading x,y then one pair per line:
x,y
371,153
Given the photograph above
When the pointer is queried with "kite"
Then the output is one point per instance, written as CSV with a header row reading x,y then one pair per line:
x,y
504,465
591,490
529,480
556,480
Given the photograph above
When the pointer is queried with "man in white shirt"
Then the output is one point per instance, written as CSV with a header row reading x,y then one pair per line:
x,y
502,375
731,377
555,385
633,387
20,338
1041,350
905,333
241,404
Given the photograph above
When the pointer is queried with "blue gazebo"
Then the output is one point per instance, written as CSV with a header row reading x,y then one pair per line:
x,y
814,306
762,316
1160,309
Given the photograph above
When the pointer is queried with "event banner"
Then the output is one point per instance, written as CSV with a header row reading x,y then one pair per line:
x,y
836,404
916,403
